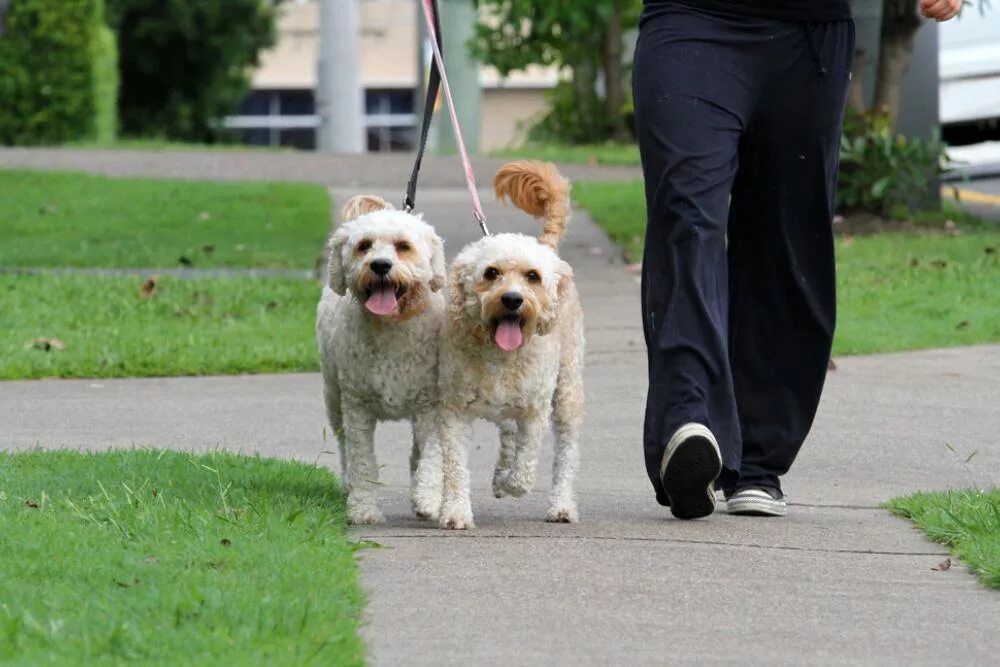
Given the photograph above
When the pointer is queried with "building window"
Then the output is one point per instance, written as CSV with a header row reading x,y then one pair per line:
x,y
389,119
288,118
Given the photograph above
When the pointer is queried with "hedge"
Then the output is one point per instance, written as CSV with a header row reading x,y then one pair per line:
x,y
58,73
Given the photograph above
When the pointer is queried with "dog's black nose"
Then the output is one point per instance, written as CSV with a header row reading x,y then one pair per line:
x,y
512,300
380,267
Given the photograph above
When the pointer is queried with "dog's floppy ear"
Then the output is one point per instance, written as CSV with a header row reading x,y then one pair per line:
x,y
361,204
564,276
456,291
335,264
437,262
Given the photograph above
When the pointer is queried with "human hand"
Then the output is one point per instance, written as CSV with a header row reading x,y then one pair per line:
x,y
940,10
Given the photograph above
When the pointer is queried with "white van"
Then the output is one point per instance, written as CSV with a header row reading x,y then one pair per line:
x,y
969,61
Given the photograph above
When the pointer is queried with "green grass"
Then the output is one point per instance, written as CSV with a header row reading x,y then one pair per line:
x,y
968,522
168,145
78,220
155,557
896,291
188,327
620,208
604,154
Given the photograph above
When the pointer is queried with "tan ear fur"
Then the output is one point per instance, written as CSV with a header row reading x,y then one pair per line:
x,y
359,205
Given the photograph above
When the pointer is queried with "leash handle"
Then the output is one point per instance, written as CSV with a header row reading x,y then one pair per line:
x,y
433,84
434,28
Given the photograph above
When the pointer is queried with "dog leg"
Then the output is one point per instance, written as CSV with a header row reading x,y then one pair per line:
x,y
456,507
362,469
521,477
425,467
567,416
331,396
508,445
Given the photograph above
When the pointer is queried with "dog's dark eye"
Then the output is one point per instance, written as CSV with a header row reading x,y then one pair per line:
x,y
491,273
402,246
533,277
365,246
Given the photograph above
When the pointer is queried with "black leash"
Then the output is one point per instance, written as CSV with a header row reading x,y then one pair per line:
x,y
433,85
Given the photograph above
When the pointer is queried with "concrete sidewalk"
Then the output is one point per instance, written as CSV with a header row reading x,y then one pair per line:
x,y
837,581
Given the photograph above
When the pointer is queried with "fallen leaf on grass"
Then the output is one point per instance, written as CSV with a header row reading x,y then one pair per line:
x,y
943,566
832,365
208,249
46,344
963,324
135,582
48,209
148,288
31,503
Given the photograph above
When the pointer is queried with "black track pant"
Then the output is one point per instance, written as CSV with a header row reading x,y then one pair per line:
x,y
738,294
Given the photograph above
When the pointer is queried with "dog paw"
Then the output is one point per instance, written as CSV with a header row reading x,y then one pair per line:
x,y
425,509
562,515
509,484
364,515
498,488
456,518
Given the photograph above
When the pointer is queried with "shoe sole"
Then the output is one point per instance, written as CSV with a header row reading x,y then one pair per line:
x,y
757,507
690,466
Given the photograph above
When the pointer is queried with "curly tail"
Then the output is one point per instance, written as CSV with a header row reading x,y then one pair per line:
x,y
359,205
539,190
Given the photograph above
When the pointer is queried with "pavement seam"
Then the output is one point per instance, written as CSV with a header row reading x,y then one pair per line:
x,y
608,538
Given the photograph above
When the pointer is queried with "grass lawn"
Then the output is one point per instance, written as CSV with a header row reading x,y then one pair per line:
x,y
68,219
168,145
188,327
896,291
157,557
968,522
607,154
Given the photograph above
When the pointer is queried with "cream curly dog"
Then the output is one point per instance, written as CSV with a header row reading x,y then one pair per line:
x,y
376,325
512,351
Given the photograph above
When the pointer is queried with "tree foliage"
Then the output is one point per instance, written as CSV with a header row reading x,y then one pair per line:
x,y
185,64
56,73
583,36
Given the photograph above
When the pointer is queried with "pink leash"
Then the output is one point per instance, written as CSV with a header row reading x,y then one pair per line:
x,y
470,179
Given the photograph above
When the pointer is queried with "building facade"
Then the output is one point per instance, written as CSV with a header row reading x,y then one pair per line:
x,y
281,110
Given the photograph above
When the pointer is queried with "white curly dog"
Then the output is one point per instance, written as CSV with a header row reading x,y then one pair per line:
x,y
377,324
512,351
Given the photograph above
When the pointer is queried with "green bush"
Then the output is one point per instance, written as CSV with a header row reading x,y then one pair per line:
x,y
885,174
184,64
105,86
52,83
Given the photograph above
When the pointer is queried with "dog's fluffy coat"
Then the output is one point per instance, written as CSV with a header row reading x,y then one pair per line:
x,y
512,351
376,334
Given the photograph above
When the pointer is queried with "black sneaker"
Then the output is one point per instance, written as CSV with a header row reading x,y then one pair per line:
x,y
688,471
757,501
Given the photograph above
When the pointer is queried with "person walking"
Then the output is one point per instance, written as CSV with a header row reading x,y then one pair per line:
x,y
738,112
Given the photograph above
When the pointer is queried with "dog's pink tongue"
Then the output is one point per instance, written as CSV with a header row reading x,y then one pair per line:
x,y
382,301
508,335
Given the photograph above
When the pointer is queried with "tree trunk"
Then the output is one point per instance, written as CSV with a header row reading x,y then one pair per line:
x,y
900,23
588,107
614,85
